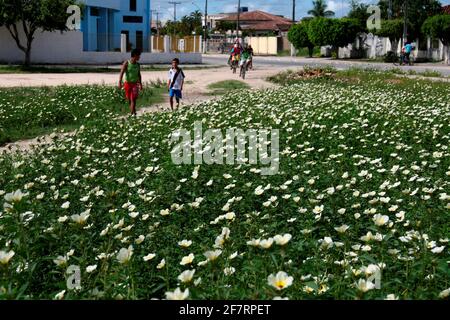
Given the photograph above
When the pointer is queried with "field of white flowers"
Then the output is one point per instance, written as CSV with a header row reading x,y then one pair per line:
x,y
362,196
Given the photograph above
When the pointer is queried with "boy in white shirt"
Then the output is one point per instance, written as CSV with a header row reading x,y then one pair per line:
x,y
176,83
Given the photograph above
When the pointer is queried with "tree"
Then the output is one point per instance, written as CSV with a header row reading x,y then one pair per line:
x,y
359,11
439,27
29,16
298,36
188,24
335,32
320,9
417,12
224,26
392,29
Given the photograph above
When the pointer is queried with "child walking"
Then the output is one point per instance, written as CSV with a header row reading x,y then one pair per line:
x,y
133,79
176,83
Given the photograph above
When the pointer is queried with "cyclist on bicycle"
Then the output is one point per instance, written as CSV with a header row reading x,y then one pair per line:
x,y
406,50
235,54
245,59
250,51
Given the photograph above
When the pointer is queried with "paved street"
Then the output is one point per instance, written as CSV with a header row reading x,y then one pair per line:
x,y
291,62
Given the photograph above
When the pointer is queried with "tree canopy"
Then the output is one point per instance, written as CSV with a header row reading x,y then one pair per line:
x,y
320,9
298,36
30,16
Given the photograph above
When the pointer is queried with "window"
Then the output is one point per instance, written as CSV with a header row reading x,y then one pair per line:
x,y
133,5
95,12
132,19
139,40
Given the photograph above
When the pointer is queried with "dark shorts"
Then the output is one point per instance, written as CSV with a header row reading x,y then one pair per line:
x,y
176,93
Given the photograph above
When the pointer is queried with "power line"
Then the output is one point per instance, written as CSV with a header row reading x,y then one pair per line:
x,y
174,9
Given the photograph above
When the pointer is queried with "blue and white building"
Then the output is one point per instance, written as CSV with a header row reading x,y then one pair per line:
x,y
104,21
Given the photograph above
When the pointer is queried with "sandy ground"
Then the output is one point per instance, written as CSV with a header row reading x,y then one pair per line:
x,y
195,89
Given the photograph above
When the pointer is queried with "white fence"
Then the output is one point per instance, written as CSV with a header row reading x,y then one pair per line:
x,y
67,48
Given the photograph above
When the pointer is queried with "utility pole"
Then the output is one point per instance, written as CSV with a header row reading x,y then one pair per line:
x,y
293,50
174,9
205,34
405,21
157,20
238,19
157,23
293,11
390,10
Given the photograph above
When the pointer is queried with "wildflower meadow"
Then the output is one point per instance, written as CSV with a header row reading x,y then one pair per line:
x,y
359,208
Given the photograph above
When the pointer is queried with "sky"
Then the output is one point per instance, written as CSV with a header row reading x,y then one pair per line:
x,y
282,7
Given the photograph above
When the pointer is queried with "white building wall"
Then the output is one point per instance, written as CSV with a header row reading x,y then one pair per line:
x,y
67,48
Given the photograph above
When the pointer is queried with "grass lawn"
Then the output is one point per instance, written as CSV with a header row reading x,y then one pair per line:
x,y
226,86
362,192
30,112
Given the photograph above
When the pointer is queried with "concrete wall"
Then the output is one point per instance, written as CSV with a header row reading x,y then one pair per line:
x,y
67,48
374,47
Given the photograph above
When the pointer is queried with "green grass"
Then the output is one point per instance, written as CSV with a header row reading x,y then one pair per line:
x,y
30,112
227,86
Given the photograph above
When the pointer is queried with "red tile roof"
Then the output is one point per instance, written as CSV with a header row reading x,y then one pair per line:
x,y
446,9
260,20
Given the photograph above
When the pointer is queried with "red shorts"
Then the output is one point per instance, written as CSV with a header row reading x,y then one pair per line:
x,y
131,90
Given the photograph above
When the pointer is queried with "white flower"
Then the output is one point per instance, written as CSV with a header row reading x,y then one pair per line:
x,y
212,255
6,256
177,294
438,249
187,259
81,218
186,276
60,295
230,216
280,281
63,219
444,294
282,240
149,257
280,298
380,220
15,196
65,205
391,297
125,254
185,243
61,260
365,285
165,212
266,243
161,264
90,269
229,271
232,256
342,229
140,239
259,190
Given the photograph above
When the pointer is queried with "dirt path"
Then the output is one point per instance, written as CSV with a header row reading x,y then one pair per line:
x,y
196,89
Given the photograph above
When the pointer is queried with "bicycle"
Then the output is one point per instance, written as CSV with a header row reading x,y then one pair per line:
x,y
235,63
403,60
244,69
